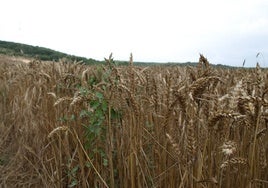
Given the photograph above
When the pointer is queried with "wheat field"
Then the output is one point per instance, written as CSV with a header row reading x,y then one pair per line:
x,y
73,125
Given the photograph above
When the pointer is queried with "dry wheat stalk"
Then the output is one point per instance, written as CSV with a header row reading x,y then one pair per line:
x,y
234,161
174,144
191,141
60,100
58,129
228,148
263,159
185,102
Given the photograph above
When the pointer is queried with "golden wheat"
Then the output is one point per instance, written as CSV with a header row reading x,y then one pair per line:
x,y
67,124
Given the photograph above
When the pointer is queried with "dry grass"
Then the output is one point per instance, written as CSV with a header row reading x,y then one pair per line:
x,y
71,125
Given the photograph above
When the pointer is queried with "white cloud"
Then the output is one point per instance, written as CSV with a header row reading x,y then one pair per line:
x,y
153,30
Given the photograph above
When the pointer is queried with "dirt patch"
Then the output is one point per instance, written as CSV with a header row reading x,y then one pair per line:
x,y
14,59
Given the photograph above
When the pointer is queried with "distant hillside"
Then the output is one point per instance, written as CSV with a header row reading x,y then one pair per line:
x,y
45,54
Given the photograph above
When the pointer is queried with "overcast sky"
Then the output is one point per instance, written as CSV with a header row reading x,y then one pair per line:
x,y
225,31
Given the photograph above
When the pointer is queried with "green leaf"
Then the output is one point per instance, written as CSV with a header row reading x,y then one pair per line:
x,y
73,183
88,164
92,81
105,162
63,119
94,104
83,113
74,170
104,106
72,118
99,95
99,113
115,114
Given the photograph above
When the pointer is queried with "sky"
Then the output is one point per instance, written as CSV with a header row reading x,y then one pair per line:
x,y
225,31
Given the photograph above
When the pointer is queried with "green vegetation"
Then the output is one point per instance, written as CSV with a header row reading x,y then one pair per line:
x,y
44,54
